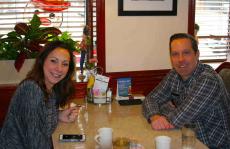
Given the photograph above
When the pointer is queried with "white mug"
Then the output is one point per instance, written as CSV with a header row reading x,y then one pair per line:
x,y
104,138
163,142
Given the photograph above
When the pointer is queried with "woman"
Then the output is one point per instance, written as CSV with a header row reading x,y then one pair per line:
x,y
33,113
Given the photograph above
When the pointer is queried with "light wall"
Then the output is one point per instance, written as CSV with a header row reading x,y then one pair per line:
x,y
9,74
136,43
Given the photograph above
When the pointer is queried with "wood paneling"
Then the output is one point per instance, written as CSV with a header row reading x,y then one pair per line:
x,y
222,66
191,16
101,33
80,90
6,92
142,81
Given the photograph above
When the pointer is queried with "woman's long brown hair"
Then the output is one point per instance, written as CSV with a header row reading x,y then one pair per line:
x,y
63,89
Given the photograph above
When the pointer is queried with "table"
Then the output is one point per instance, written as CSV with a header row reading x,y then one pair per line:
x,y
126,121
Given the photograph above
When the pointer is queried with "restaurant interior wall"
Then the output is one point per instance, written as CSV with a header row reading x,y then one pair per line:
x,y
135,43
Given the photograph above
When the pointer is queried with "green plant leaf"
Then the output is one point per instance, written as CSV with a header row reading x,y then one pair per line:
x,y
27,39
49,32
13,34
35,22
8,52
33,34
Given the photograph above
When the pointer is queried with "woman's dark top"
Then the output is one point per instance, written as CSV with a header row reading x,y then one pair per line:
x,y
30,121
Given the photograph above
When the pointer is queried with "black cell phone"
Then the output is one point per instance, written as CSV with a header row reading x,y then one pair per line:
x,y
130,102
72,137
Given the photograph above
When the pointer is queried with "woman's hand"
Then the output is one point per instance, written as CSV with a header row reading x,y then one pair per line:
x,y
159,122
68,115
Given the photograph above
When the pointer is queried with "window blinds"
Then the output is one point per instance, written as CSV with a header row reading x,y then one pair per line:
x,y
71,19
74,16
213,18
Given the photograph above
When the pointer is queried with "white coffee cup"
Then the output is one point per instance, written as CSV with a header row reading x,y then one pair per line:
x,y
104,138
163,142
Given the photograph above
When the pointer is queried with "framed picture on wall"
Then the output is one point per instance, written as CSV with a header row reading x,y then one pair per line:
x,y
147,7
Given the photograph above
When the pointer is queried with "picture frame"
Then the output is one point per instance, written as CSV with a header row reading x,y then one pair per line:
x,y
147,7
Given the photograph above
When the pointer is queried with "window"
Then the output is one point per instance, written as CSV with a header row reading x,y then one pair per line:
x,y
71,16
213,18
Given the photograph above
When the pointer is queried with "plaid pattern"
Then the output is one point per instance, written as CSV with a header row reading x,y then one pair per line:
x,y
202,99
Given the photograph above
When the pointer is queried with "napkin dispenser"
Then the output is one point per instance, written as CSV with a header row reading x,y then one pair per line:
x,y
99,99
100,89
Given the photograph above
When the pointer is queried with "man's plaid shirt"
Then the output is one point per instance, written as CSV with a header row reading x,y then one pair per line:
x,y
201,99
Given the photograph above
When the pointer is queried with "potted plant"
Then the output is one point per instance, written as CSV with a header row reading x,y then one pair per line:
x,y
27,40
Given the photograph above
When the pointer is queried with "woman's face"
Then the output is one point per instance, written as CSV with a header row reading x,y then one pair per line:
x,y
56,66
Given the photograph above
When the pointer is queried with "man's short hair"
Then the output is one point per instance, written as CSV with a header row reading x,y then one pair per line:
x,y
184,36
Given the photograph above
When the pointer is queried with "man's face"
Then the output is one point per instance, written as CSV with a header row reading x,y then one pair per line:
x,y
183,58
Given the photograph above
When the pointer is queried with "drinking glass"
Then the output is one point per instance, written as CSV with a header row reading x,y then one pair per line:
x,y
82,119
188,136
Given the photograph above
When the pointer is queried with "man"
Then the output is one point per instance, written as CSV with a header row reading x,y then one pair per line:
x,y
191,93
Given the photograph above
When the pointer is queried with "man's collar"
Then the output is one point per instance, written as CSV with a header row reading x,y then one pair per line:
x,y
195,73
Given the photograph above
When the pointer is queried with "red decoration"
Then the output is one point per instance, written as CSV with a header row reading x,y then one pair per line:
x,y
19,61
45,21
51,5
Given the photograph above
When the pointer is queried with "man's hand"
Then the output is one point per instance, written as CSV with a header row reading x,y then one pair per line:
x,y
159,122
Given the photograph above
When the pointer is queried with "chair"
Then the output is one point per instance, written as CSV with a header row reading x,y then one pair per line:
x,y
224,72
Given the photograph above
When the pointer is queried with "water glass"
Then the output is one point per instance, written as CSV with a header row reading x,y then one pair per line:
x,y
82,119
188,136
